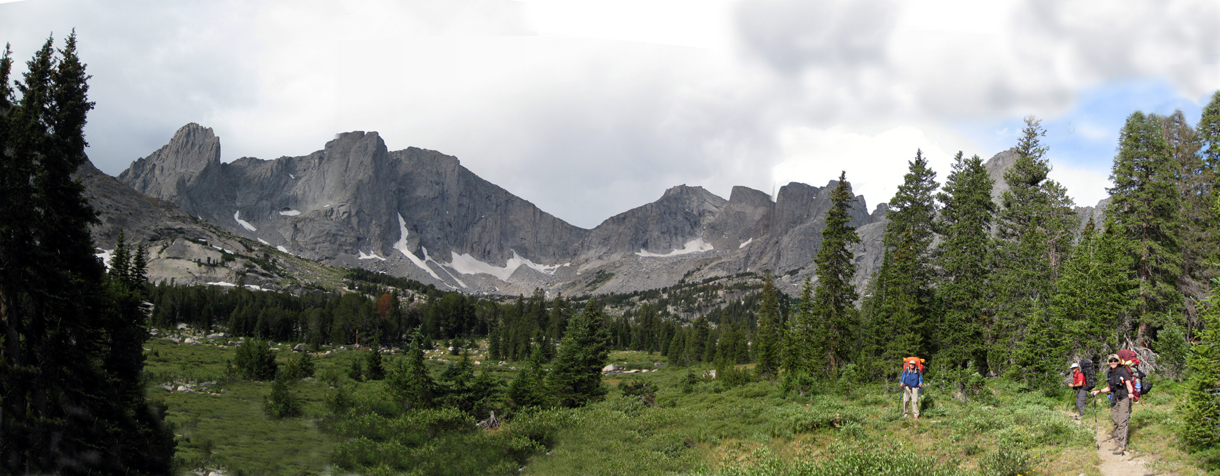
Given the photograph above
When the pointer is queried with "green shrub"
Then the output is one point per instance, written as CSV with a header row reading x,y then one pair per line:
x,y
281,403
638,388
254,360
1006,461
300,367
849,461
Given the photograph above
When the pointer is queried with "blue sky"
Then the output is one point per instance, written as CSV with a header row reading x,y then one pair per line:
x,y
588,108
1085,137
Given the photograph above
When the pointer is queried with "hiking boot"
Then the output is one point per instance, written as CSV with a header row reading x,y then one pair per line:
x,y
1119,452
1076,417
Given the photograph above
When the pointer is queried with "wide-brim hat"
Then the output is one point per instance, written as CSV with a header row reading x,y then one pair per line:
x,y
1074,366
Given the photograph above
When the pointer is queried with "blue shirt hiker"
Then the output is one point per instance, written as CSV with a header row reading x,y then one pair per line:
x,y
911,380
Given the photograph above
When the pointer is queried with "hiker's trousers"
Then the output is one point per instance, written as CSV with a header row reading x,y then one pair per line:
x,y
1082,400
910,395
1120,412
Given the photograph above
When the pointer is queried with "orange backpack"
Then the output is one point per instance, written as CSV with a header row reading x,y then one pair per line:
x,y
919,363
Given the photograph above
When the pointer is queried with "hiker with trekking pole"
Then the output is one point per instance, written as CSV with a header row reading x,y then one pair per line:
x,y
1081,383
911,382
1118,385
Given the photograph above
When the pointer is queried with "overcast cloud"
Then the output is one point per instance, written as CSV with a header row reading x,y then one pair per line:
x,y
590,108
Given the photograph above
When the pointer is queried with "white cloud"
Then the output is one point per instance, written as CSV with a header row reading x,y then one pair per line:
x,y
1086,187
593,107
875,164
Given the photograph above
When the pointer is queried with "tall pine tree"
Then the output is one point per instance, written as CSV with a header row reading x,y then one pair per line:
x,y
576,374
1146,207
1094,291
902,297
965,258
70,395
767,336
1035,228
834,296
1200,412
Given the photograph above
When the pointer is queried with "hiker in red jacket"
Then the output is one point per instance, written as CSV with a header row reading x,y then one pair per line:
x,y
1082,394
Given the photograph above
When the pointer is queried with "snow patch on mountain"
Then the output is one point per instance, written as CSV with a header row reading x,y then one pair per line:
x,y
105,256
290,213
743,245
696,245
466,264
252,287
260,240
243,223
282,248
371,255
401,246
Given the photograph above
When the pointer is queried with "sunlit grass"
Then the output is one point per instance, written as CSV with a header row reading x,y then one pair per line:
x,y
698,426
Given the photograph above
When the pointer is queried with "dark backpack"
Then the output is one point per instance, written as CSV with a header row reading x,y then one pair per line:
x,y
1090,373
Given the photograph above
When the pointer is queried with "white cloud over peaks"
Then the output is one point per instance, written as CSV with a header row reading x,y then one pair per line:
x,y
875,164
586,108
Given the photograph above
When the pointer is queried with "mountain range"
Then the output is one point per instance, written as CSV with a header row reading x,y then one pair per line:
x,y
421,215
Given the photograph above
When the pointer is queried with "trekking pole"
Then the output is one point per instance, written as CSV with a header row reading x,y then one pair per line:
x,y
1095,442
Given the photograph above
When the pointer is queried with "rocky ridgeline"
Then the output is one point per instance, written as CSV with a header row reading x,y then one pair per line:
x,y
419,214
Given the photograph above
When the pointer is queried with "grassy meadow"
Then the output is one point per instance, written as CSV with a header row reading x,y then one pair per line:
x,y
695,425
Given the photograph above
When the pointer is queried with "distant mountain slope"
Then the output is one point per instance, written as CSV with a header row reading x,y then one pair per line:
x,y
419,214
187,250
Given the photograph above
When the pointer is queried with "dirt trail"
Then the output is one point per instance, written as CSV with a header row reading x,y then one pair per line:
x,y
1111,464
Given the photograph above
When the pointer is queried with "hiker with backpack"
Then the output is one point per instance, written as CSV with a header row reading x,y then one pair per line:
x,y
1081,384
1118,385
911,382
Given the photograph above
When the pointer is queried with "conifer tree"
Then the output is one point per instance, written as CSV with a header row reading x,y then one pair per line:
x,y
1200,412
676,352
902,297
802,343
834,296
965,259
576,374
410,381
696,345
1146,209
1195,183
1035,228
70,396
766,337
528,388
373,369
1094,291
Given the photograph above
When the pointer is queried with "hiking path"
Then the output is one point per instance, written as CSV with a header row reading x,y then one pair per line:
x,y
1112,464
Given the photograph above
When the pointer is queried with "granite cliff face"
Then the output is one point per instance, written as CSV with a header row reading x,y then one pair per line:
x,y
419,214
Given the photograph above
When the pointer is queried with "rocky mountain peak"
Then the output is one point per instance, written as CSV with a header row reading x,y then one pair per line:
x,y
190,162
996,166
